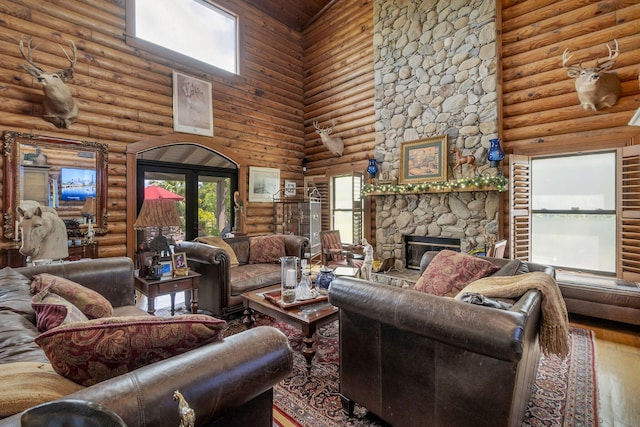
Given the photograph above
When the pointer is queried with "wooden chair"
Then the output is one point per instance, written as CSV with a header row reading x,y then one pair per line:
x,y
497,249
335,253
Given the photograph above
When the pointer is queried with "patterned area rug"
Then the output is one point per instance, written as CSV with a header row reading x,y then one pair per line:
x,y
564,393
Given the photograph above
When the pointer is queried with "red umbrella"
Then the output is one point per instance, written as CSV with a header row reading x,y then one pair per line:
x,y
154,192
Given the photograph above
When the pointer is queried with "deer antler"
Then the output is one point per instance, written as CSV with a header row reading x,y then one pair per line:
x,y
611,59
28,57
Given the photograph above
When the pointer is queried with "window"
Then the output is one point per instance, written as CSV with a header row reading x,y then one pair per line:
x,y
573,211
193,28
347,207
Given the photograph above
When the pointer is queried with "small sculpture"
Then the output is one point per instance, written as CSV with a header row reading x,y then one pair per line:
x,y
464,160
367,265
44,233
187,415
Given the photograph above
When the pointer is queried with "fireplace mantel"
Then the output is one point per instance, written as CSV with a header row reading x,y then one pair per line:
x,y
480,183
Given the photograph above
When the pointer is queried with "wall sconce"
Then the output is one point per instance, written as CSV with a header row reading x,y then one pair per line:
x,y
495,154
304,165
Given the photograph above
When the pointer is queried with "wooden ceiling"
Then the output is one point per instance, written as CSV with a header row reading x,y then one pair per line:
x,y
296,14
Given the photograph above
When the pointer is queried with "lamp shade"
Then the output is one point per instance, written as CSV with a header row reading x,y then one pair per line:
x,y
89,207
158,213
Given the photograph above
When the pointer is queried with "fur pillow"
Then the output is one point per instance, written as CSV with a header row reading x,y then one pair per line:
x,y
93,351
266,249
90,302
26,384
449,272
219,242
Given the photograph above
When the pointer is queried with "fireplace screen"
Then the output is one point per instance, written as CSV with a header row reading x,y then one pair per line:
x,y
416,246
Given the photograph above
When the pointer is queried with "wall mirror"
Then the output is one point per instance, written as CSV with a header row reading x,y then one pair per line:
x,y
67,175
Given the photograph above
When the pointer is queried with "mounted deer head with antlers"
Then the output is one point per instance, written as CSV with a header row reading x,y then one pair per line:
x,y
59,106
595,88
335,145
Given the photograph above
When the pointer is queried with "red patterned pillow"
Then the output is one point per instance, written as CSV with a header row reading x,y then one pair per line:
x,y
90,302
99,349
52,310
266,249
449,272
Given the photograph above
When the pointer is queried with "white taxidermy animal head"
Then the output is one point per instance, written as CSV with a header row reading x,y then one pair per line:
x,y
596,89
334,144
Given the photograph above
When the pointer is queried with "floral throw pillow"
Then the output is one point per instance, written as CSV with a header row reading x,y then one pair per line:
x,y
52,310
96,350
449,272
90,302
266,249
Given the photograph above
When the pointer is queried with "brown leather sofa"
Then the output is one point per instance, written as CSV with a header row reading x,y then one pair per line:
x,y
416,359
221,284
227,383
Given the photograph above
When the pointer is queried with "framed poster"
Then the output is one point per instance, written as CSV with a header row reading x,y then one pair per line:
x,y
423,160
192,105
289,188
263,183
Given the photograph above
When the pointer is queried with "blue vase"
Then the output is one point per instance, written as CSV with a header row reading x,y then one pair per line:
x,y
372,169
495,154
324,279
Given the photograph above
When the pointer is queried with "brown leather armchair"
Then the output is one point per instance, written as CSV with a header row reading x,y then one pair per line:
x,y
416,359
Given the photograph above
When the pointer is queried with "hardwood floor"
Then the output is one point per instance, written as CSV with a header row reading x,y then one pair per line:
x,y
617,371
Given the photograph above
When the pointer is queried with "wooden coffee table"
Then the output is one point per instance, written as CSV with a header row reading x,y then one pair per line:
x,y
308,317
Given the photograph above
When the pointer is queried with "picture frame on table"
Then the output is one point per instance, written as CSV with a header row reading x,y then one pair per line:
x,y
424,160
192,105
179,261
263,183
145,258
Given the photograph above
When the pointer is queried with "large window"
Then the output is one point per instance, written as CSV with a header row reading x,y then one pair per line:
x,y
194,28
573,211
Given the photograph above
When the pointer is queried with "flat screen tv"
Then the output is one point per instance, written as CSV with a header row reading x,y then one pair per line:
x,y
77,184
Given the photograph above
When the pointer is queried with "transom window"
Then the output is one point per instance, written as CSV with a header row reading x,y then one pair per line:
x,y
573,211
194,28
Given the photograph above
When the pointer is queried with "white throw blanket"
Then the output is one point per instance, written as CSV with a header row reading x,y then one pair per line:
x,y
554,320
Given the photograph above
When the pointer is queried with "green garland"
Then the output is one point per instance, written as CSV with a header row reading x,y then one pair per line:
x,y
498,183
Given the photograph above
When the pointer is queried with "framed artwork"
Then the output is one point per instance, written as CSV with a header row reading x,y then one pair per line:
x,y
145,258
263,183
423,160
192,105
179,260
289,188
167,270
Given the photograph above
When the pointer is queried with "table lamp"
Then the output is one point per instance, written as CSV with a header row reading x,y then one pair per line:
x,y
158,213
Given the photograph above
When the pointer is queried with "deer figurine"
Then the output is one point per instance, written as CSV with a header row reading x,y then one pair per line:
x,y
335,145
596,89
464,160
59,106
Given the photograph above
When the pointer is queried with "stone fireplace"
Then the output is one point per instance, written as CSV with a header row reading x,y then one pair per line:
x,y
435,70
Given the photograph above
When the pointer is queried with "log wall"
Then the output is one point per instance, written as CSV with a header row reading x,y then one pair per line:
x,y
541,113
125,94
339,87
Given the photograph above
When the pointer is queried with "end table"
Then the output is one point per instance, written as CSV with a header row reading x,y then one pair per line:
x,y
170,285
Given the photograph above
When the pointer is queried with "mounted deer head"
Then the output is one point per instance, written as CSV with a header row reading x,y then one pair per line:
x,y
59,106
335,145
595,88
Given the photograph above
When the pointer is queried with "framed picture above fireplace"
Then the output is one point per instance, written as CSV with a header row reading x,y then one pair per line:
x,y
424,160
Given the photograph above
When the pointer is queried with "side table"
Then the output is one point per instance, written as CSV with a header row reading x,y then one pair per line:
x,y
170,285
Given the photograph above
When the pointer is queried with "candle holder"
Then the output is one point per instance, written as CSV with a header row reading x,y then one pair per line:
x,y
289,278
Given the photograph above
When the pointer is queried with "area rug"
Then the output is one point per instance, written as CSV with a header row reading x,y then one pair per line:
x,y
564,393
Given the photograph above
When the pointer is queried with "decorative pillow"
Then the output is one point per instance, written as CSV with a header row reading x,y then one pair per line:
x,y
219,242
26,384
449,272
99,349
90,302
52,310
266,249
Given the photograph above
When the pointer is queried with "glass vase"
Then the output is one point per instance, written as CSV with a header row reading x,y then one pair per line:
x,y
495,154
288,278
372,169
